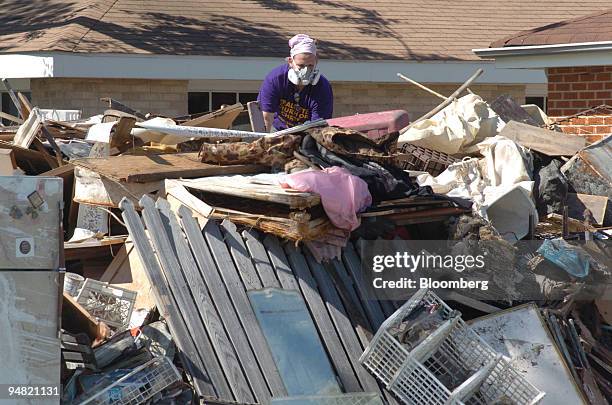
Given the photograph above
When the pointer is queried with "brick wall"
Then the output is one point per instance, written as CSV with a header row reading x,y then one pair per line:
x,y
575,89
351,98
167,97
593,127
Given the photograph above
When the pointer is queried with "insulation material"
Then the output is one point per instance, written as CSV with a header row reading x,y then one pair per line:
x,y
457,128
499,185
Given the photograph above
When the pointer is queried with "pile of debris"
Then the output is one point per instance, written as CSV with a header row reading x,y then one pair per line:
x,y
207,264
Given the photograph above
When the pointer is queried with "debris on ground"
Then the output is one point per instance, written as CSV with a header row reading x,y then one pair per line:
x,y
201,263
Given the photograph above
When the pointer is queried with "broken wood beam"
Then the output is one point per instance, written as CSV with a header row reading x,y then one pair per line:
x,y
14,98
11,117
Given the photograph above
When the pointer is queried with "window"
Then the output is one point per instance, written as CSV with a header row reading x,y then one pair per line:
x,y
199,102
9,108
539,101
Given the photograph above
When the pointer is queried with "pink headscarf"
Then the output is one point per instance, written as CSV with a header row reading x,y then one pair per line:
x,y
302,43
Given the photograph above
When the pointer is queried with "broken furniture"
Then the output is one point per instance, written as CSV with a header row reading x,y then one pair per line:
x,y
447,363
110,304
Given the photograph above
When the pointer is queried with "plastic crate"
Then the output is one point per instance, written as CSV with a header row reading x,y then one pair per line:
x,y
452,365
110,304
136,387
422,159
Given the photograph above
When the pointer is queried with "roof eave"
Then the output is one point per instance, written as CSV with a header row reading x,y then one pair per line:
x,y
543,49
545,56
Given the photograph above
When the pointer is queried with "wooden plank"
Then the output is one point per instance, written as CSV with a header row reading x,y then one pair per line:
x,y
246,187
204,305
178,195
387,306
25,103
116,105
180,290
228,315
347,292
127,271
66,172
353,265
11,117
542,140
14,98
597,204
221,118
256,117
166,302
121,139
143,169
51,140
94,189
258,253
279,261
240,300
341,322
322,320
241,257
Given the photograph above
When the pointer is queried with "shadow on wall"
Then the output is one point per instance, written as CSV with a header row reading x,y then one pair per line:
x,y
74,27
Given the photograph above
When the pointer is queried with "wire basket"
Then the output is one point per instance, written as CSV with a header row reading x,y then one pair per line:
x,y
110,304
422,159
136,387
452,365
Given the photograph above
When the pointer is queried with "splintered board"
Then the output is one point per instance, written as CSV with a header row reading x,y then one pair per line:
x,y
143,169
550,143
252,188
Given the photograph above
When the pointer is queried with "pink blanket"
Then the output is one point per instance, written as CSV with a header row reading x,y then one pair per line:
x,y
342,194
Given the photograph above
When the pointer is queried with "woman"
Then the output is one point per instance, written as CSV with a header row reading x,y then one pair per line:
x,y
296,92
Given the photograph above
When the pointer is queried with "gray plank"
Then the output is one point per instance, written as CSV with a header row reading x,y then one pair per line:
x,y
237,293
387,305
322,321
182,295
346,290
280,263
165,302
260,258
223,302
341,322
202,301
353,265
241,257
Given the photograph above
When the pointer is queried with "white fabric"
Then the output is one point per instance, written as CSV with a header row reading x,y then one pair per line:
x,y
457,128
503,171
302,43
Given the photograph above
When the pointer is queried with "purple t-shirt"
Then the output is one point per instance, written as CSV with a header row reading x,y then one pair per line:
x,y
277,95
